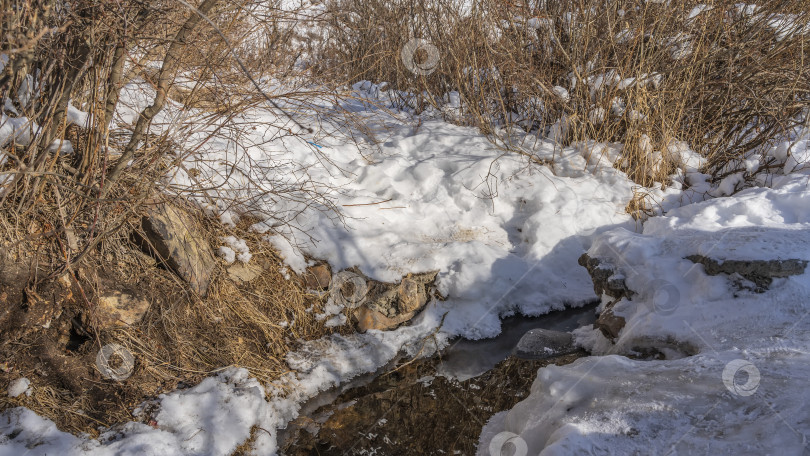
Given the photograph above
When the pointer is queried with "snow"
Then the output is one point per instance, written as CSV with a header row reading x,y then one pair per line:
x,y
20,130
505,235
799,155
734,357
212,418
237,248
332,310
436,197
19,387
614,406
292,256
229,405
227,254
680,154
16,129
78,117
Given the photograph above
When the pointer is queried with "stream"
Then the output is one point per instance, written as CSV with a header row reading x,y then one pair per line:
x,y
465,359
429,406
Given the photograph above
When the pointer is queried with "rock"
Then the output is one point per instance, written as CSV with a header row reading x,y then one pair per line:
x,y
371,319
175,238
388,305
383,297
318,277
116,308
544,344
761,272
412,295
607,280
609,324
425,278
244,272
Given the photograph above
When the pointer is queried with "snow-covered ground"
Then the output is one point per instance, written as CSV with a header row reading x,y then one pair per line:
x,y
505,236
744,392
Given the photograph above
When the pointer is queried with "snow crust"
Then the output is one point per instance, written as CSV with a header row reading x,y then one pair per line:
x,y
742,391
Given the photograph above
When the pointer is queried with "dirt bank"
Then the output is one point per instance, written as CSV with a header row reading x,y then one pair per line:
x,y
413,411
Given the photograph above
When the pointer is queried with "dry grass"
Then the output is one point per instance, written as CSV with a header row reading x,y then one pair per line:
x,y
74,215
182,339
250,324
724,81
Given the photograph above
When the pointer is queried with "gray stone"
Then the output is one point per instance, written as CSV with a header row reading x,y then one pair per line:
x,y
388,305
119,309
318,277
382,297
544,344
244,272
175,238
609,324
371,319
607,280
412,295
761,272
391,299
425,278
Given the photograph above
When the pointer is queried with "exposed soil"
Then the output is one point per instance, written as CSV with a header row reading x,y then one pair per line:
x,y
49,337
412,411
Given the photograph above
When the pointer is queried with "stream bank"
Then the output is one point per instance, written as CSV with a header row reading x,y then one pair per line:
x,y
429,406
413,410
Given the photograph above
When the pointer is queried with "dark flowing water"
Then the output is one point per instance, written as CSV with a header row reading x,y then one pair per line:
x,y
465,359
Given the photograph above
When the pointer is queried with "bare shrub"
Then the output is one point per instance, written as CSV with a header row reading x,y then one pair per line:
x,y
73,173
724,77
74,184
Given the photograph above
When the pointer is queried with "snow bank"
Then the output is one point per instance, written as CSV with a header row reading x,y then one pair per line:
x,y
742,393
612,405
504,234
430,197
212,418
438,199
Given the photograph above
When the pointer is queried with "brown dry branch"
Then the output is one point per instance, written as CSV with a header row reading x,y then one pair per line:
x,y
68,221
726,81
